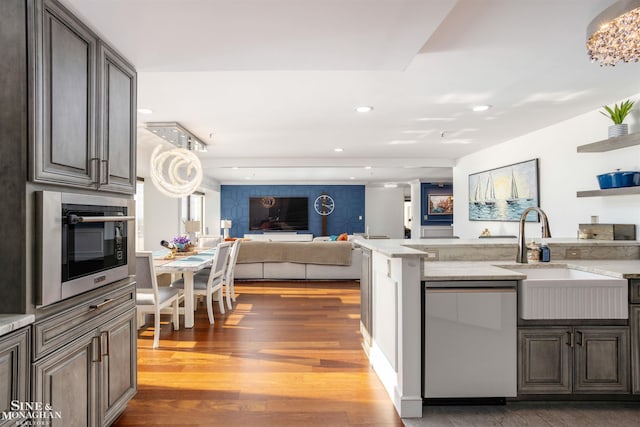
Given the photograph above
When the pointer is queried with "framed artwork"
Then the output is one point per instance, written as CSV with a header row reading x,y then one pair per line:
x,y
503,193
440,204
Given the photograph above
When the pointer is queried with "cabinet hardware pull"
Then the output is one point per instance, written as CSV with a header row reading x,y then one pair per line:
x,y
579,342
107,174
93,347
100,305
108,346
74,219
97,169
570,343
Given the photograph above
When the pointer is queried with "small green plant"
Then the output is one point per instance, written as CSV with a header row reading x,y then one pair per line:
x,y
618,113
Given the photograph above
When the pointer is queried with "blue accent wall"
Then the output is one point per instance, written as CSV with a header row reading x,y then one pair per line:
x,y
349,206
427,189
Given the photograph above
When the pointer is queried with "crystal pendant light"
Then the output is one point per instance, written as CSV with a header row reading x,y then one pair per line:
x,y
614,35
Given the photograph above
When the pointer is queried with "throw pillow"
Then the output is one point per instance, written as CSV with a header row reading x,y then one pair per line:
x,y
333,238
343,236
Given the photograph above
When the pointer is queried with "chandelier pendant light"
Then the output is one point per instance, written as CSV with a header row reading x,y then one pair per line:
x,y
614,35
176,172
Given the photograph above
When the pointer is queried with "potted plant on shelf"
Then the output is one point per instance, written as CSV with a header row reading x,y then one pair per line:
x,y
617,114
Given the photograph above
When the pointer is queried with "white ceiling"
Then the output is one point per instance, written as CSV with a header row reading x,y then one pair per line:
x,y
275,82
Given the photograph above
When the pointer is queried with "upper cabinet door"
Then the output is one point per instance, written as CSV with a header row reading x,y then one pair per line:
x,y
117,121
65,98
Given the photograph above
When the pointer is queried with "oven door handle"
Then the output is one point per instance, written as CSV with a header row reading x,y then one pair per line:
x,y
74,219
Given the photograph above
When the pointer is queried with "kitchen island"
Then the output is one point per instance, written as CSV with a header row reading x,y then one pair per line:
x,y
399,268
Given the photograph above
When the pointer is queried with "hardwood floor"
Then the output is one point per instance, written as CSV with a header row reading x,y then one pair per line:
x,y
289,354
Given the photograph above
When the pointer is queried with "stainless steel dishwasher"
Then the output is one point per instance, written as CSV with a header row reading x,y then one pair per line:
x,y
470,339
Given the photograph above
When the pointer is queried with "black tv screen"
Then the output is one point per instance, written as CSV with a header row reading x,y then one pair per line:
x,y
278,213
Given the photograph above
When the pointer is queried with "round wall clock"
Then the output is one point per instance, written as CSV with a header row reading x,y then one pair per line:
x,y
324,204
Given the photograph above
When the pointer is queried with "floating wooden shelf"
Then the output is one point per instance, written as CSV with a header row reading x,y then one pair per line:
x,y
611,144
610,192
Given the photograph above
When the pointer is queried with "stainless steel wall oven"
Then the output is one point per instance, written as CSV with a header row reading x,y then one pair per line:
x,y
83,243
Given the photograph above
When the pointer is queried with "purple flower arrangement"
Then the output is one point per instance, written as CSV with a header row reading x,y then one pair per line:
x,y
181,242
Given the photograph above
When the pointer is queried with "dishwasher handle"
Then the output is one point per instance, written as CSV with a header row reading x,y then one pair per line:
x,y
470,290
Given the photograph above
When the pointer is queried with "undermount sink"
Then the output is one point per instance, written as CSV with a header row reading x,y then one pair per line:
x,y
565,293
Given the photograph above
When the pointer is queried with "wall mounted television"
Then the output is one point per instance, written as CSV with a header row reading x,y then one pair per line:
x,y
278,213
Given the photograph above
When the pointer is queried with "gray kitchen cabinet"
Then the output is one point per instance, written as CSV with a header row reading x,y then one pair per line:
x,y
579,360
117,121
601,360
544,361
67,381
366,303
119,376
85,98
65,98
87,351
14,371
634,319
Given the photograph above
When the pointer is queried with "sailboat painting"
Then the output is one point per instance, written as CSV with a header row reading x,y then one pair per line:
x,y
502,194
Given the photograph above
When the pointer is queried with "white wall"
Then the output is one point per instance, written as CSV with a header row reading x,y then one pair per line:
x,y
384,211
212,212
562,173
161,217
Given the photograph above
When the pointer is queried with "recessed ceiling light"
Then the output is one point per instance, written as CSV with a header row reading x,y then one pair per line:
x,y
352,177
338,150
390,185
145,111
235,168
479,108
364,108
367,167
247,177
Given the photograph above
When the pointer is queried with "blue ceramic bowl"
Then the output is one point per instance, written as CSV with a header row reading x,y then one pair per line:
x,y
618,179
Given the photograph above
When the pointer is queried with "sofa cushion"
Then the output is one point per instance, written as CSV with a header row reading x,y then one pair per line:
x,y
252,270
330,253
284,270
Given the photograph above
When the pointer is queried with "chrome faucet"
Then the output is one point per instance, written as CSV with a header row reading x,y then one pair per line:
x,y
521,257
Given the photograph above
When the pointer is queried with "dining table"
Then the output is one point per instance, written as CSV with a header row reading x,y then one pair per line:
x,y
188,266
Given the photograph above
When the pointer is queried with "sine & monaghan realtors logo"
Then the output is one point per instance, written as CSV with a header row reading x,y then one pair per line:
x,y
30,413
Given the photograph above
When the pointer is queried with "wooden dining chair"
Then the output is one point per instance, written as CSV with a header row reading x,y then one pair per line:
x,y
230,272
150,298
209,284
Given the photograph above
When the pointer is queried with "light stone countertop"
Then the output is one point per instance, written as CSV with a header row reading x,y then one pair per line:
x,y
508,270
11,322
408,247
393,248
499,270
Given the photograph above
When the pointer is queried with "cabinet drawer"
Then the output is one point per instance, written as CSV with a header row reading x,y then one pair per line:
x,y
86,314
634,291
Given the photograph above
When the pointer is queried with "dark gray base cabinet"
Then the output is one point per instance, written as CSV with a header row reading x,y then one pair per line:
x,y
84,105
90,375
634,319
15,360
579,360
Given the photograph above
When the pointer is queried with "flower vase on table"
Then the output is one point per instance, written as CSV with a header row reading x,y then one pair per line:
x,y
182,243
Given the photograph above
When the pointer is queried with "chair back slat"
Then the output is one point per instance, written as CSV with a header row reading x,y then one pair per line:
x,y
219,261
146,273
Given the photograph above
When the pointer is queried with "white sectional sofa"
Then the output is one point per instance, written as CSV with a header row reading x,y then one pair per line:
x,y
318,260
